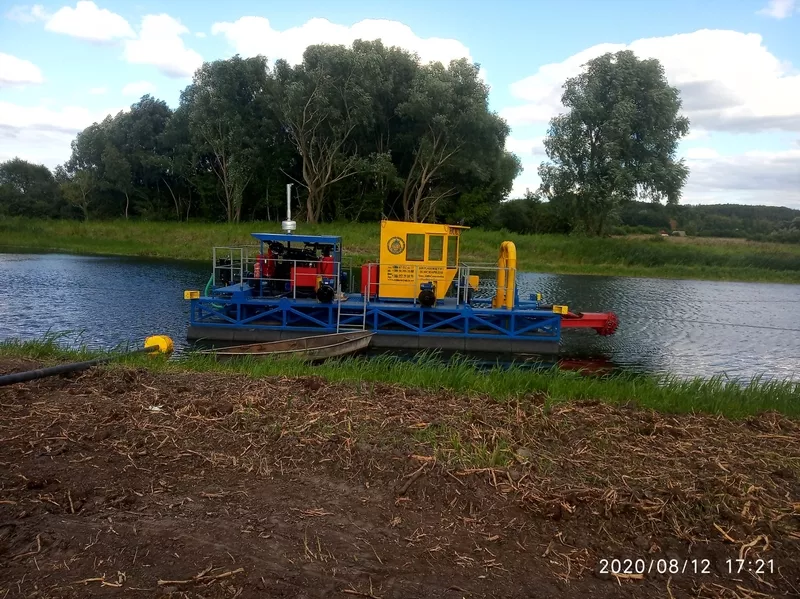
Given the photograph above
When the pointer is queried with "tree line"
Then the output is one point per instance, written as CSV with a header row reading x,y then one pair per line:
x,y
361,131
532,215
367,131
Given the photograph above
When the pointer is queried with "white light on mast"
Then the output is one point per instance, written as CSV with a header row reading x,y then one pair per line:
x,y
288,225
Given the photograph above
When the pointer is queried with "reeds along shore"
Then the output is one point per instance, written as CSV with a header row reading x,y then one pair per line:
x,y
689,258
730,398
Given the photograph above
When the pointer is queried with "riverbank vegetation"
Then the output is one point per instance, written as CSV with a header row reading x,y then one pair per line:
x,y
428,371
366,131
647,256
531,215
359,131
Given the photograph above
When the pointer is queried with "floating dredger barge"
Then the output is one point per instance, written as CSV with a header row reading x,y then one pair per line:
x,y
418,296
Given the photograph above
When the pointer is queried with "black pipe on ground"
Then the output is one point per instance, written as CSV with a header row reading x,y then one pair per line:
x,y
156,344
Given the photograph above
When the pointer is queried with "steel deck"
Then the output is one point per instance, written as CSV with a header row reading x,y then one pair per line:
x,y
396,324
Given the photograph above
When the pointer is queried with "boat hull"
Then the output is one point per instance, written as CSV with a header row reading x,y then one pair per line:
x,y
316,347
501,344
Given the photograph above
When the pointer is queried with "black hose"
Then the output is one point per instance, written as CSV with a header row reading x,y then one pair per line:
x,y
30,375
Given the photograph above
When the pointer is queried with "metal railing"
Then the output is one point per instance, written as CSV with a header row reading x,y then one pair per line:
x,y
234,265
460,289
241,269
487,289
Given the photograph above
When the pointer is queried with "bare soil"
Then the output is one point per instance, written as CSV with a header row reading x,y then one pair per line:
x,y
122,482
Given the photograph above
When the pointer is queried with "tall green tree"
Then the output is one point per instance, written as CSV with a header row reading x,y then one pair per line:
x,y
451,134
618,140
117,173
228,117
323,101
28,189
79,189
365,130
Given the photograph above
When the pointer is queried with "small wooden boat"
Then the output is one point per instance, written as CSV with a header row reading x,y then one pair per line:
x,y
318,347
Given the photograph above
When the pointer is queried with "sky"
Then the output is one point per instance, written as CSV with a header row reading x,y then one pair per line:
x,y
736,63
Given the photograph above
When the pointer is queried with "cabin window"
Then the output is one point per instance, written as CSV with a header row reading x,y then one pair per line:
x,y
415,247
452,251
436,248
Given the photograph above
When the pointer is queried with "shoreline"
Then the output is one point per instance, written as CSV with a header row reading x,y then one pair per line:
x,y
734,398
658,258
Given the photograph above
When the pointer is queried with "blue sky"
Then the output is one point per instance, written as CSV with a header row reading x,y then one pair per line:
x,y
66,64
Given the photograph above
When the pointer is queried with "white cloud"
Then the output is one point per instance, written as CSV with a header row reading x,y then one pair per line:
x,y
778,9
98,91
526,147
160,44
138,89
200,34
27,14
701,153
729,81
69,119
42,135
17,71
89,22
768,178
250,36
762,178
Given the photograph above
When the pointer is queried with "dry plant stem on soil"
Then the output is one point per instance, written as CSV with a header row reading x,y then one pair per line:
x,y
134,478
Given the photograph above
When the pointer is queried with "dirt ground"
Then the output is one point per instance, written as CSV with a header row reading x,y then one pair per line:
x,y
126,483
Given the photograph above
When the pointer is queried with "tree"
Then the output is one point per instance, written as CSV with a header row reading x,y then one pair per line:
x,y
28,189
228,120
453,135
323,100
617,142
365,130
78,191
117,172
138,136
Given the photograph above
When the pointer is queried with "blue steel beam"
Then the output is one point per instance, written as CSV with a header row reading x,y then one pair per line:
x,y
393,319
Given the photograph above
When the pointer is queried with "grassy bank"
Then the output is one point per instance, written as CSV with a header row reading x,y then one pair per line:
x,y
639,257
665,394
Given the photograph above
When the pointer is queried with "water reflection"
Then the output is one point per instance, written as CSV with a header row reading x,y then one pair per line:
x,y
685,328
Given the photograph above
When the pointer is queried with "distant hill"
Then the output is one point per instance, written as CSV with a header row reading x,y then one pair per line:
x,y
716,220
760,223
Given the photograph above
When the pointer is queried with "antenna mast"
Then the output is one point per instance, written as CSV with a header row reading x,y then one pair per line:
x,y
288,225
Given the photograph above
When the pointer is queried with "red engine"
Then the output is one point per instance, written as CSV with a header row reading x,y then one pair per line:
x,y
325,266
264,265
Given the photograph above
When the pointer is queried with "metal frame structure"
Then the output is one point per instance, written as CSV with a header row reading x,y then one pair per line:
x,y
470,312
396,324
454,323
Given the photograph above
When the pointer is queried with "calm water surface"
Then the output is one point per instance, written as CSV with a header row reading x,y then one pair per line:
x,y
685,328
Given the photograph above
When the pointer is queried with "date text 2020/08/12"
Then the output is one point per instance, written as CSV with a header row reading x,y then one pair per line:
x,y
682,566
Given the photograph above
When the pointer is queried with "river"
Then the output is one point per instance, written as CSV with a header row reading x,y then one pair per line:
x,y
685,328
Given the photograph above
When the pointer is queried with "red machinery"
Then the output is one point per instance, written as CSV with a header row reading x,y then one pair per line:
x,y
605,323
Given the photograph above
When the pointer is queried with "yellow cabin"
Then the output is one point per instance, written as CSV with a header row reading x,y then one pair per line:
x,y
417,258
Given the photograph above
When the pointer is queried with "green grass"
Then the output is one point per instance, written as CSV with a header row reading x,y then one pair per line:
x,y
48,348
718,395
629,256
